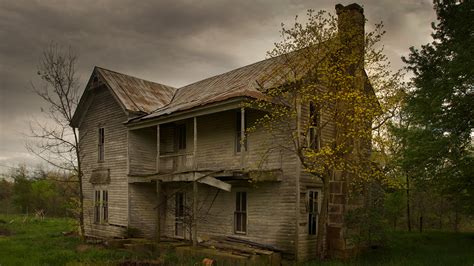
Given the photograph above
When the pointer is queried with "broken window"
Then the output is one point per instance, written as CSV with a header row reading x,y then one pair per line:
x,y
101,144
179,215
313,211
101,206
240,215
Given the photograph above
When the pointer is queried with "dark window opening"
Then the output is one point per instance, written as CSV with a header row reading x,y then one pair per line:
x,y
313,211
181,134
240,214
179,215
101,144
101,206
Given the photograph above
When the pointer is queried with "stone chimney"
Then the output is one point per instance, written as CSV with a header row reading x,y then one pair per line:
x,y
351,23
351,33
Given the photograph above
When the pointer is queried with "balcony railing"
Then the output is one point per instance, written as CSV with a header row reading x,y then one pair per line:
x,y
170,163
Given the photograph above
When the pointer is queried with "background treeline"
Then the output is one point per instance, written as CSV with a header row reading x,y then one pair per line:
x,y
24,191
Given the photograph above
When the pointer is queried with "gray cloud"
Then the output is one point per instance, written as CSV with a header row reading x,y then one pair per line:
x,y
171,42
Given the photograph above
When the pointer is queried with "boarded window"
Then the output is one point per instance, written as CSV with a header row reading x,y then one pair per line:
x,y
313,211
240,215
101,206
101,144
181,135
314,141
179,215
238,131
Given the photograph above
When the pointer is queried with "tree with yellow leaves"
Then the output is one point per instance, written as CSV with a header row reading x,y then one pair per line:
x,y
328,77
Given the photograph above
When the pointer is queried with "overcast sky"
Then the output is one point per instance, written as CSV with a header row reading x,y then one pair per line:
x,y
171,42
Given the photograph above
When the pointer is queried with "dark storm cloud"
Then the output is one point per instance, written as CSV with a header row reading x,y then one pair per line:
x,y
172,42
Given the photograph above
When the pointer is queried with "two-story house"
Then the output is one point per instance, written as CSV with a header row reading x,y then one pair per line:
x,y
177,162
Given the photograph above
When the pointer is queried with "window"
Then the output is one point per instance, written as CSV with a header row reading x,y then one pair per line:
x,y
101,144
313,211
240,215
314,141
101,206
179,215
238,131
181,133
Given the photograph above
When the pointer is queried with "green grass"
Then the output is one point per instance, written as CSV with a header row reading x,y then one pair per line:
x,y
36,242
428,248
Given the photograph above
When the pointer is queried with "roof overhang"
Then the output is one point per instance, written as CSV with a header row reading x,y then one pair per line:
x,y
211,108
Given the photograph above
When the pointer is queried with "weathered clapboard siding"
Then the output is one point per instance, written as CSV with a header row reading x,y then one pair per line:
x,y
270,205
142,150
105,112
143,208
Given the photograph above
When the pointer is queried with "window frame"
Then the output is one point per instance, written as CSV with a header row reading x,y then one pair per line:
x,y
314,141
101,206
101,145
241,213
313,214
179,220
181,137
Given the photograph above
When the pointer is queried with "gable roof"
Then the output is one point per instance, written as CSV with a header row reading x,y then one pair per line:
x,y
245,81
135,95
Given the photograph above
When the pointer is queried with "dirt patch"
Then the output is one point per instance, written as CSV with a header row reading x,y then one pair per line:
x,y
82,248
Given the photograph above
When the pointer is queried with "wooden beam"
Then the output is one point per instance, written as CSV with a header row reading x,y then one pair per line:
x,y
214,182
195,209
182,115
158,216
157,148
242,138
195,144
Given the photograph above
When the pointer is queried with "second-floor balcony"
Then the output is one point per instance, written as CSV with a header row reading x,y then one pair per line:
x,y
205,143
170,163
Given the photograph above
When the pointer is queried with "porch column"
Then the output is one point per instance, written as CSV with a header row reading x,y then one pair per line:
x,y
243,149
195,186
158,148
158,216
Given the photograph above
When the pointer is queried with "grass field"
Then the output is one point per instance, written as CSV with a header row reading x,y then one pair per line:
x,y
35,242
428,248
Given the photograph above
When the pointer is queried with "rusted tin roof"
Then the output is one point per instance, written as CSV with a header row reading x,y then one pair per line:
x,y
246,81
137,95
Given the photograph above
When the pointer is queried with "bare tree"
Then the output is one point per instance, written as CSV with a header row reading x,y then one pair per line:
x,y
57,141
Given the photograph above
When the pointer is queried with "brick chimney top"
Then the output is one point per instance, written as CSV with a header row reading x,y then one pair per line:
x,y
352,7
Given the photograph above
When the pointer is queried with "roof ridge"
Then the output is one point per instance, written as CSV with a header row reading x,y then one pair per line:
x,y
116,72
227,72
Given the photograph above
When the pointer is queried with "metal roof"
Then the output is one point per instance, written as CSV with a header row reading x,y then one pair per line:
x,y
137,95
241,82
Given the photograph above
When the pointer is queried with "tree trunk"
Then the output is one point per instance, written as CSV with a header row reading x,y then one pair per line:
x,y
79,179
408,204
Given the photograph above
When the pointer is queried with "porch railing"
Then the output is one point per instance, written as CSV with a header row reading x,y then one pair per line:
x,y
176,162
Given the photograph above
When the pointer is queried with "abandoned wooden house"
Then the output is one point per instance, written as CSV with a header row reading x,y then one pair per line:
x,y
170,162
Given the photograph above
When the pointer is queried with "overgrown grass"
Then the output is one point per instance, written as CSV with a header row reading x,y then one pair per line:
x,y
36,242
41,242
428,248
